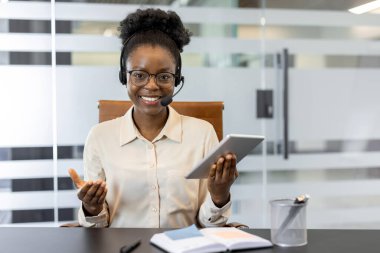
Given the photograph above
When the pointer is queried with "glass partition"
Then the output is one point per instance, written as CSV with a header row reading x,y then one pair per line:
x,y
58,58
27,189
326,67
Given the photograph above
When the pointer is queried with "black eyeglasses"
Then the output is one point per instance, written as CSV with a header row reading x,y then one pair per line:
x,y
141,78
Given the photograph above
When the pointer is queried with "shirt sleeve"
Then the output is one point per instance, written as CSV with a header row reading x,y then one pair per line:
x,y
213,216
93,170
209,214
98,221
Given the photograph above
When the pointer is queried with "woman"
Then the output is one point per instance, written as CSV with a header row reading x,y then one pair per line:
x,y
135,165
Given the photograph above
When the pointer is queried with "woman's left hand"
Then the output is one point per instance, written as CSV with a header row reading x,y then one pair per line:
x,y
222,175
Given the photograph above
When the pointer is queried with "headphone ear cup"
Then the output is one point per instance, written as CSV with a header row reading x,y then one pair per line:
x,y
179,80
122,74
122,77
179,77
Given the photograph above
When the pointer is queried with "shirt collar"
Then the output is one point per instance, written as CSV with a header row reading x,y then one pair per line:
x,y
172,128
128,130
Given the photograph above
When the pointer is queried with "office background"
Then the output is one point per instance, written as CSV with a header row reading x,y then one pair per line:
x,y
57,59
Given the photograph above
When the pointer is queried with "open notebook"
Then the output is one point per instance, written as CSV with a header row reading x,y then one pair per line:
x,y
191,239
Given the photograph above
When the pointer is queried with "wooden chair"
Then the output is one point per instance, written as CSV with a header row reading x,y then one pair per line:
x,y
209,111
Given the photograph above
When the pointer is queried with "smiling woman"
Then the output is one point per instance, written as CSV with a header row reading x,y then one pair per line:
x,y
135,165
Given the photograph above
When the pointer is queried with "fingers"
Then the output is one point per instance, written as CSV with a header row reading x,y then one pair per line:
x,y
225,168
75,178
102,197
222,175
233,170
92,192
93,195
219,168
84,189
100,191
212,171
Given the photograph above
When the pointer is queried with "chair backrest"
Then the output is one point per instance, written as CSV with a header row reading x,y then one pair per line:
x,y
209,111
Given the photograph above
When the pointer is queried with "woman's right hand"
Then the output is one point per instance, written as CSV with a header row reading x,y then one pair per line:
x,y
91,193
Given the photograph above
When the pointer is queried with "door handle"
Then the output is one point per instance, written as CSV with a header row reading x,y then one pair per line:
x,y
285,67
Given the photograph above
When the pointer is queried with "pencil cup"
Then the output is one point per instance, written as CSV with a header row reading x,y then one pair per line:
x,y
288,223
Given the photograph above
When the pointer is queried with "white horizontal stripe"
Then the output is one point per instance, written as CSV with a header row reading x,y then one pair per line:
x,y
324,46
26,169
25,10
88,43
25,42
95,12
325,189
321,189
37,200
38,224
318,18
99,43
96,43
33,224
116,12
65,164
37,168
319,161
68,199
333,218
344,218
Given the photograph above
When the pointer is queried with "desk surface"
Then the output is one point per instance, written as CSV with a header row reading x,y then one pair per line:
x,y
82,240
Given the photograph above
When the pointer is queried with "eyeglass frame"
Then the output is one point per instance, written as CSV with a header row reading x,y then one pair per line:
x,y
175,76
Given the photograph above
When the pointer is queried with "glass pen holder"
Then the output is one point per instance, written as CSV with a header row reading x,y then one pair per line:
x,y
288,223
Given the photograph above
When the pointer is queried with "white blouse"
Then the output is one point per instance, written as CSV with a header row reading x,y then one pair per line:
x,y
145,180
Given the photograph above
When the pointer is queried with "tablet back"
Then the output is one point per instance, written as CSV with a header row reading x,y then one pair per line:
x,y
238,144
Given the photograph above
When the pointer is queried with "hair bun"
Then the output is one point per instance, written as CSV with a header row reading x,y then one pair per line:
x,y
155,19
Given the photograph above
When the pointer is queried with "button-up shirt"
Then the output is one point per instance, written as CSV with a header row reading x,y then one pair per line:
x,y
146,179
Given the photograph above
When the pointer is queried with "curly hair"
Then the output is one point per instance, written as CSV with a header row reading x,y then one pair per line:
x,y
154,27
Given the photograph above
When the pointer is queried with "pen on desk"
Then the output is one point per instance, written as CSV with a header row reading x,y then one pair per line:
x,y
130,248
294,210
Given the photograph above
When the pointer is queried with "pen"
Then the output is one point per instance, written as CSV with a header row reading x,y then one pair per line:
x,y
130,248
294,210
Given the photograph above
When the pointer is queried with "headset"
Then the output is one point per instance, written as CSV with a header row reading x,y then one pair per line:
x,y
123,75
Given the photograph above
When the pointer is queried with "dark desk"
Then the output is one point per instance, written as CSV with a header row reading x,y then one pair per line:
x,y
109,240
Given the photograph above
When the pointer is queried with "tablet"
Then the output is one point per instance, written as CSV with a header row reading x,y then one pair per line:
x,y
238,144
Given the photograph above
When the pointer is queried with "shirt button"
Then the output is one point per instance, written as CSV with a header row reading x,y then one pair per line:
x,y
152,165
153,187
154,209
150,146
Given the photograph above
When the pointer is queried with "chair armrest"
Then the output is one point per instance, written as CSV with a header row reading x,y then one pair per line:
x,y
237,225
70,225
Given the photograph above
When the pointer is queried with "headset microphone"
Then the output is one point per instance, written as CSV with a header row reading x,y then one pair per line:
x,y
165,101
